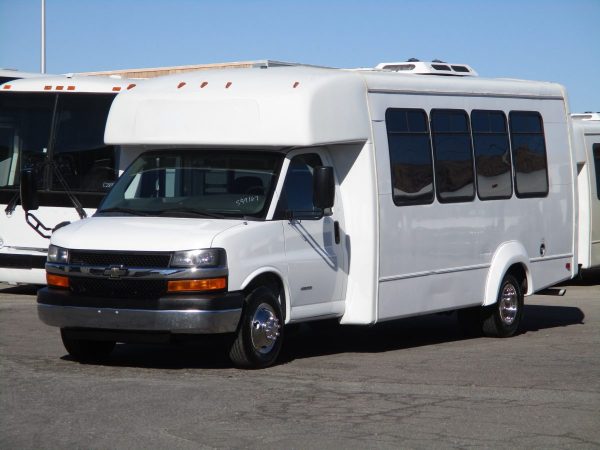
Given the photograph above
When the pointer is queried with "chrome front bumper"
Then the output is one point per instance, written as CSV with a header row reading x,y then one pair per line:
x,y
173,321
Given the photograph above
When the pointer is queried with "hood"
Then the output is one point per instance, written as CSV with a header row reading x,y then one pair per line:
x,y
141,233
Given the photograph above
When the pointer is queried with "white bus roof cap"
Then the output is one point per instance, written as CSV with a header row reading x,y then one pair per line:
x,y
279,106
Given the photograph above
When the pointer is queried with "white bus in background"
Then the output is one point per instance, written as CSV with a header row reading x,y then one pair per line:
x,y
586,139
51,124
262,197
13,74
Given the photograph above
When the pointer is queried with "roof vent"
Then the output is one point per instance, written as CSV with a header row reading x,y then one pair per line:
x,y
435,67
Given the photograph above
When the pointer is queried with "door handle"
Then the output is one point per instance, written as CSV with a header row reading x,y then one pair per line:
x,y
336,231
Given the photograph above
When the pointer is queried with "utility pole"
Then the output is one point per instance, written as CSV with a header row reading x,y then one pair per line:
x,y
43,62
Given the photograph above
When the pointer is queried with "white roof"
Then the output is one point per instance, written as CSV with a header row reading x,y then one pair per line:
x,y
65,83
278,106
587,123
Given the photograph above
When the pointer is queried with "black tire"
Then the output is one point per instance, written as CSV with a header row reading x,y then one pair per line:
x,y
260,331
84,350
503,318
469,321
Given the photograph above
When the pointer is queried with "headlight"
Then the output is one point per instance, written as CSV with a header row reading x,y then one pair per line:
x,y
58,254
208,257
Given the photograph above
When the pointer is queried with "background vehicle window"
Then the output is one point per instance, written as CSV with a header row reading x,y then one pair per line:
x,y
25,122
453,155
409,145
529,153
86,163
596,151
297,193
492,154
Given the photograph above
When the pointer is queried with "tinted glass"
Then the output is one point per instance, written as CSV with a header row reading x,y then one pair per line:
x,y
529,154
453,155
492,154
410,156
297,194
196,183
25,122
86,163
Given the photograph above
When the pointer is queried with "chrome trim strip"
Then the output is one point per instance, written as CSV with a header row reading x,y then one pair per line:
x,y
27,249
184,321
147,273
464,94
434,272
551,258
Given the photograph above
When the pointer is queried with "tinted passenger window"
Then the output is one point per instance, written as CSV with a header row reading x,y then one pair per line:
x,y
492,154
596,150
86,163
410,156
529,154
297,194
453,155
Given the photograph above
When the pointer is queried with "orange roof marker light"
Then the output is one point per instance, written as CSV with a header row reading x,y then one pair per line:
x,y
131,86
116,88
59,88
296,84
228,85
7,86
47,88
203,84
70,88
182,84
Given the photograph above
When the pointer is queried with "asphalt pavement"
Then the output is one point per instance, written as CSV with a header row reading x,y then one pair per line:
x,y
411,383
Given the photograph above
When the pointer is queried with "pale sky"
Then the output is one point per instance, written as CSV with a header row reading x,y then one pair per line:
x,y
552,40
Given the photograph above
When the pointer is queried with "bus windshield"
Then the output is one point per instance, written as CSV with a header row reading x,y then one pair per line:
x,y
65,129
196,183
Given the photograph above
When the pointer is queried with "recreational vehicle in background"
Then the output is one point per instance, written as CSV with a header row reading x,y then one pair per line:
x,y
586,139
53,125
263,197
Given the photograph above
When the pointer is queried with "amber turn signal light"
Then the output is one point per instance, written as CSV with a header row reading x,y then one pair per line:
x,y
57,280
207,284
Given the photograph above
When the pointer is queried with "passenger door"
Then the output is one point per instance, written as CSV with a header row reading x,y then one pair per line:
x,y
313,247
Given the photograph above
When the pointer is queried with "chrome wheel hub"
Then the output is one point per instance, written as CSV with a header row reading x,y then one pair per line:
x,y
264,329
508,304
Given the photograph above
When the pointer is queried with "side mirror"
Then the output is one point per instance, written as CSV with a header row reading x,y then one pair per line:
x,y
29,192
323,187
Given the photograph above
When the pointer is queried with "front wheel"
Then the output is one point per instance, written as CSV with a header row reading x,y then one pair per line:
x,y
84,350
503,318
260,332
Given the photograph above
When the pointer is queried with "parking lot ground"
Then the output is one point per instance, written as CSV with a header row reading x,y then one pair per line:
x,y
411,383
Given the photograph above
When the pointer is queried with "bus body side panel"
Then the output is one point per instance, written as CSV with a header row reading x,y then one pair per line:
x,y
586,190
438,256
355,171
22,251
593,206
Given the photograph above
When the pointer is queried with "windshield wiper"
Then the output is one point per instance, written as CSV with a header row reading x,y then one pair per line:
x,y
133,212
192,211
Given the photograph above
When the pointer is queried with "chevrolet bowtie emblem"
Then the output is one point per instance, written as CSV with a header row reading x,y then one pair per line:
x,y
116,272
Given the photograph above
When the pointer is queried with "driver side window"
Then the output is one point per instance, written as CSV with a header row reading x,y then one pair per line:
x,y
296,200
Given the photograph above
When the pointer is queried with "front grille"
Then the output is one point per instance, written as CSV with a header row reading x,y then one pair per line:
x,y
138,259
98,287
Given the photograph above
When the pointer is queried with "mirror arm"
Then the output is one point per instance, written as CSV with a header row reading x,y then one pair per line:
x,y
35,223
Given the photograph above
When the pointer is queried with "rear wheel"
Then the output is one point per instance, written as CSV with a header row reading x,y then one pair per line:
x,y
260,332
503,318
84,350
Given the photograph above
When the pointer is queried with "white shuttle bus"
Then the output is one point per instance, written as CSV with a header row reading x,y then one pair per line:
x,y
53,125
586,139
262,197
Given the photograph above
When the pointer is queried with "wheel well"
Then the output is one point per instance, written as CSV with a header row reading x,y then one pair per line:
x,y
519,272
273,282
